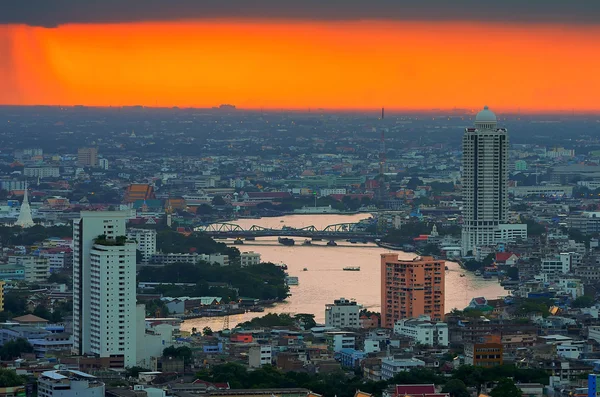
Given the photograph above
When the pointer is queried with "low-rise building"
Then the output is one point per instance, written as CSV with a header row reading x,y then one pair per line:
x,y
260,355
69,384
487,354
423,331
351,358
391,366
249,258
336,341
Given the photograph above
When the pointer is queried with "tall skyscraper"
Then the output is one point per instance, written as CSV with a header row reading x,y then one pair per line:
x,y
410,288
87,157
104,294
485,185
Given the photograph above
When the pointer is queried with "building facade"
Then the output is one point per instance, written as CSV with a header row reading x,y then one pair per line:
x,y
411,288
104,286
69,384
37,269
343,313
423,331
487,354
146,242
260,355
249,258
484,181
87,157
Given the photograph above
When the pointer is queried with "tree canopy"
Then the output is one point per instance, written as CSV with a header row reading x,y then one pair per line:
x,y
14,348
506,388
262,281
9,378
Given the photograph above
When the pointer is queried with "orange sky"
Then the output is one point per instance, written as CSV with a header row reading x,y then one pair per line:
x,y
303,64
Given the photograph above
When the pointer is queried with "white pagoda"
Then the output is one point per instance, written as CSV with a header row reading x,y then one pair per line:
x,y
25,220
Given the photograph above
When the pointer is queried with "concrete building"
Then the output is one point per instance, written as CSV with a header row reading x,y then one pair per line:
x,y
104,293
543,191
556,266
336,341
146,242
329,191
410,288
170,258
487,354
58,258
390,366
36,269
484,182
260,355
87,157
42,172
69,384
342,313
103,163
351,358
249,258
153,336
422,330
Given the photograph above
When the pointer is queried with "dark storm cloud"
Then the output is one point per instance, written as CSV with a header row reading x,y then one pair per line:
x,y
52,13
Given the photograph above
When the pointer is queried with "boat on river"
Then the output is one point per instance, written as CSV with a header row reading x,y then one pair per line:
x,y
286,241
352,269
238,241
331,243
307,242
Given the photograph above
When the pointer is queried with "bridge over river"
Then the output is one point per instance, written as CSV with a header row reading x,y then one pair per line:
x,y
338,231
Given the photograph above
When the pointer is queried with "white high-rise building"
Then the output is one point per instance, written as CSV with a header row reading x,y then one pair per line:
x,y
104,295
485,184
146,242
343,313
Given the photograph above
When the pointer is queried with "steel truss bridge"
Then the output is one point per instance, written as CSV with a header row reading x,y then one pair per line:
x,y
337,231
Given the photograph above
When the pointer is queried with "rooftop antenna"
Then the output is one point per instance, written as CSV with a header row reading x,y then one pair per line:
x,y
382,146
382,167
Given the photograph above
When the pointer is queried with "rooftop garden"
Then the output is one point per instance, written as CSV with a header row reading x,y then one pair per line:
x,y
103,240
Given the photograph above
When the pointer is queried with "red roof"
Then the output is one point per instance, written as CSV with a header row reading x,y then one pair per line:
x,y
503,256
209,385
403,390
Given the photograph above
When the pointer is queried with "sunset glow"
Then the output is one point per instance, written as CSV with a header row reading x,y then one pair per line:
x,y
302,64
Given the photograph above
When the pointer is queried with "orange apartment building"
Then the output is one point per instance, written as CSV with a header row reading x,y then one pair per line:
x,y
410,288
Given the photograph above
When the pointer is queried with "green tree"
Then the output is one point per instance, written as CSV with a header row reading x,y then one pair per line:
x,y
59,278
135,371
306,320
207,331
506,388
183,352
14,348
456,388
42,311
583,301
218,200
9,378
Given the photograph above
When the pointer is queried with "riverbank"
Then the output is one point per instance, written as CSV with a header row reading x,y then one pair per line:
x,y
325,280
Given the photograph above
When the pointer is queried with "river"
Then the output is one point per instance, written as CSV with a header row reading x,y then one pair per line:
x,y
324,281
